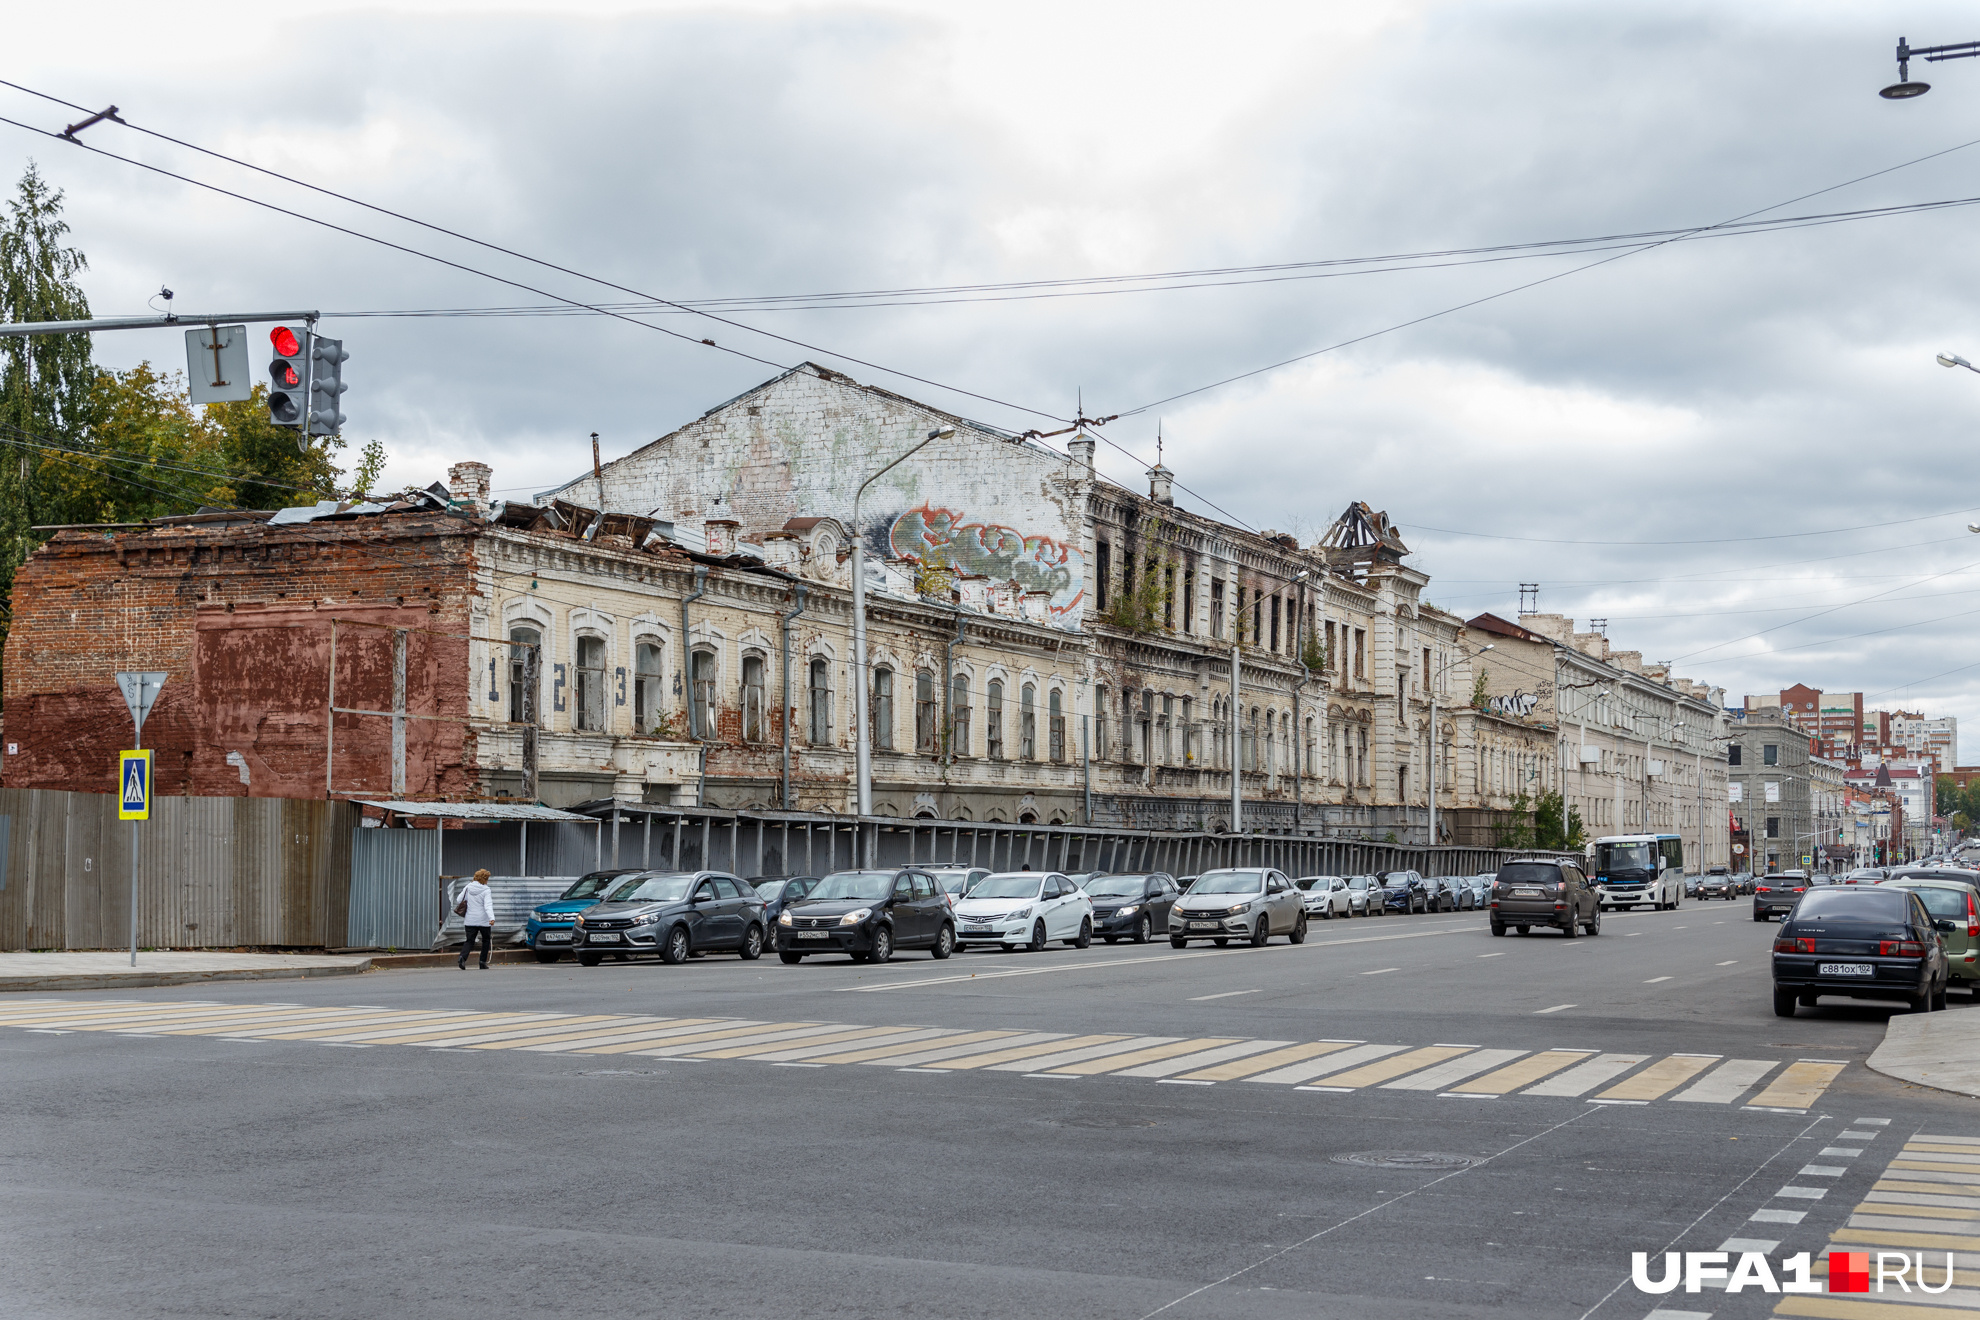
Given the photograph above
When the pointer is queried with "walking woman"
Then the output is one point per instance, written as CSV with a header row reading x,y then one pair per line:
x,y
477,910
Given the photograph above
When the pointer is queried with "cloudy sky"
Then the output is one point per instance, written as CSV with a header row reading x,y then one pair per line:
x,y
1736,448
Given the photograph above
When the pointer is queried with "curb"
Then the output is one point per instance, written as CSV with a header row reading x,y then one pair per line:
x,y
391,961
1930,1049
140,979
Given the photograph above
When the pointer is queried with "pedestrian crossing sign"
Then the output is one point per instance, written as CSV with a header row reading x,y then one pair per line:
x,y
134,785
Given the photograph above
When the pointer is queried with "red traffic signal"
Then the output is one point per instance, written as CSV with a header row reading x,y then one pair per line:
x,y
284,340
286,401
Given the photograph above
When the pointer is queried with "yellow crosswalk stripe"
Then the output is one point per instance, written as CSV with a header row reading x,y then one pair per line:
x,y
1951,1141
1352,1057
1515,1075
631,1042
1382,1070
776,1047
1917,1211
1958,1158
1658,1079
1799,1086
633,1027
885,1052
1929,1188
805,1051
1940,1147
1443,1075
1874,1237
438,1033
1258,1063
1838,1308
1028,1051
300,1027
1931,1166
1583,1078
693,1039
564,1029
1153,1054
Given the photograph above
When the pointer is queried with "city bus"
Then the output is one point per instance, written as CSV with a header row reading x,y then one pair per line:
x,y
1634,869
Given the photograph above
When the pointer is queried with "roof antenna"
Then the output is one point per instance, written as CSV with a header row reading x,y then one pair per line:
x,y
1158,442
598,475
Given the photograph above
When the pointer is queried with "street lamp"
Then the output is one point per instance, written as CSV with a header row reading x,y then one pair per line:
x,y
1904,89
1432,685
1955,360
862,733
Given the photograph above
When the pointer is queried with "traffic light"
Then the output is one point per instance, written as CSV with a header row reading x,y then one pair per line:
x,y
287,375
326,384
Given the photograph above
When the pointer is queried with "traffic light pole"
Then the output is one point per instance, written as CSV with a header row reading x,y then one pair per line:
x,y
17,329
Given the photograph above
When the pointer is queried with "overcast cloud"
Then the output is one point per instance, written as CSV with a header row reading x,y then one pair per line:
x,y
1741,387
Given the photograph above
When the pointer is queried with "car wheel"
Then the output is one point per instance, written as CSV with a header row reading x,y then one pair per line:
x,y
1939,998
945,942
883,945
1759,916
1298,935
1038,940
752,945
589,959
548,955
1144,930
1008,948
1572,928
1264,931
1523,929
789,958
674,948
1498,928
1327,913
1783,1002
1220,941
1175,942
1085,934
1595,923
1919,1003
1808,999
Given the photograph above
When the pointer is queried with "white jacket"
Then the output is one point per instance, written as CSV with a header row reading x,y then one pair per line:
x,y
480,904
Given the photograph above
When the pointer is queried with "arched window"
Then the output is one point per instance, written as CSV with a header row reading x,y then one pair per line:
x,y
959,743
883,709
821,702
1028,722
590,713
1055,727
924,712
648,689
522,701
752,699
701,679
993,721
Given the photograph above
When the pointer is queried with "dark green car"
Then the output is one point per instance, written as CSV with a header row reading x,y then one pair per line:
x,y
1957,902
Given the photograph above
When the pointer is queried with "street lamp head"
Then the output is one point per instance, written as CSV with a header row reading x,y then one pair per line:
x,y
1953,360
941,433
1904,91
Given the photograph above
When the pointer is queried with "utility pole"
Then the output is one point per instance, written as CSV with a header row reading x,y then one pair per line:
x,y
1237,756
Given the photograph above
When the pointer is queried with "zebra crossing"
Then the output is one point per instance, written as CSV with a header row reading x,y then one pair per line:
x,y
1337,1066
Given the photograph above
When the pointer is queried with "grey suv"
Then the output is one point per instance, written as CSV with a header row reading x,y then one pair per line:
x,y
1545,891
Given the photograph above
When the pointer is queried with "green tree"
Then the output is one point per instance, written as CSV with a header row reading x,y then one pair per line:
x,y
1557,826
1515,829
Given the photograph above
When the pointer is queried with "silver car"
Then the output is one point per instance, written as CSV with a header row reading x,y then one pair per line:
x,y
1249,903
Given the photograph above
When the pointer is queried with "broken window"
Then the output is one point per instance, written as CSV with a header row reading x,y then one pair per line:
x,y
1169,598
1028,722
959,715
702,680
821,702
522,703
1217,607
1055,725
883,709
648,690
1099,723
590,714
752,699
1103,555
993,720
1165,724
1189,748
1147,729
1189,594
924,712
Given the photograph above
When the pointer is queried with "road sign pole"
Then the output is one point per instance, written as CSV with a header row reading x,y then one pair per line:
x,y
140,690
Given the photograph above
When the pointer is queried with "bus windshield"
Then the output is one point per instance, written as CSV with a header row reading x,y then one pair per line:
x,y
1624,857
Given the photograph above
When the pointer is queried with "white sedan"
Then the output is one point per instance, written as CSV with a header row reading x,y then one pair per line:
x,y
1325,896
1031,908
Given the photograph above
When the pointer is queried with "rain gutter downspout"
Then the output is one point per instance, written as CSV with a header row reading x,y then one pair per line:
x,y
801,591
949,690
687,672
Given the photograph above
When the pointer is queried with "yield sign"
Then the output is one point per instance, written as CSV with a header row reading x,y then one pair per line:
x,y
140,690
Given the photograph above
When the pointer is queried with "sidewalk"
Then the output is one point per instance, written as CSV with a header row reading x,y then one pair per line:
x,y
1940,1050
112,971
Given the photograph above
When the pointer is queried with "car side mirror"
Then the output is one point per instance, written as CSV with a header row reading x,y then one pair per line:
x,y
1941,923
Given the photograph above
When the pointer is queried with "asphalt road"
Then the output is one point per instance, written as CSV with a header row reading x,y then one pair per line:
x,y
161,1175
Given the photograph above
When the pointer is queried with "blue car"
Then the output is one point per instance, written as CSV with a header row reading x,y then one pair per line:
x,y
1403,891
548,930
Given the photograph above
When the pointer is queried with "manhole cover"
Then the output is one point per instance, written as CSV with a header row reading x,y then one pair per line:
x,y
1416,1161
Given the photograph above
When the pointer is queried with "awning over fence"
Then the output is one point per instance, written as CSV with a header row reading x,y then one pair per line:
x,y
522,811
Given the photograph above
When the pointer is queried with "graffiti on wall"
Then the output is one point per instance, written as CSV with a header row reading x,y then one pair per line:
x,y
949,538
1519,705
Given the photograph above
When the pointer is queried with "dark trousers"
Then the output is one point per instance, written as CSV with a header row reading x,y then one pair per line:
x,y
484,932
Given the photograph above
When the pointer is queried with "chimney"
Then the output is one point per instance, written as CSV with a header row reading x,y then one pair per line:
x,y
1038,606
1081,450
975,589
1159,480
1004,597
468,484
783,550
721,533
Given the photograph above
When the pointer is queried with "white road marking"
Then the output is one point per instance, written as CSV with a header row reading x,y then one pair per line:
x,y
1803,1193
1728,962
1197,999
1873,1122
1842,1151
1653,980
1379,970
1748,1244
1632,935
1491,955
1777,1216
1555,1009
1821,1171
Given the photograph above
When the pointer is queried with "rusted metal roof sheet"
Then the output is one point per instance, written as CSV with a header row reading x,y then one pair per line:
x,y
479,811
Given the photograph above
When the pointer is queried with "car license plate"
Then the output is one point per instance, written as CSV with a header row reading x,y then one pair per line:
x,y
604,937
1847,969
812,934
1526,893
554,937
1203,925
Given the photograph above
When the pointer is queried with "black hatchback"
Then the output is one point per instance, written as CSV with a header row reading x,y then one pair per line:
x,y
1130,907
1863,943
868,915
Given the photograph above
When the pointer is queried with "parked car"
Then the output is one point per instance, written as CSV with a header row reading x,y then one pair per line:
x,y
1959,903
1031,908
1545,891
1776,895
1863,942
1252,903
779,892
1325,896
1481,890
549,926
868,915
1404,891
957,881
1365,895
672,915
1441,892
1131,907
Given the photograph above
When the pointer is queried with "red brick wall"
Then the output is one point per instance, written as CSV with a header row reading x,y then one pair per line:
x,y
239,618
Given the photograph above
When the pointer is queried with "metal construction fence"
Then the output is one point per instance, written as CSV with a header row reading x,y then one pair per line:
x,y
215,872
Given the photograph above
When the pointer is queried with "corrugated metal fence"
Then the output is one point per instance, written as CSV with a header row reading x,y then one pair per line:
x,y
212,872
395,888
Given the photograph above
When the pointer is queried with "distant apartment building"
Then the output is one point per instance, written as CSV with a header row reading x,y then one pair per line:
x,y
1845,729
